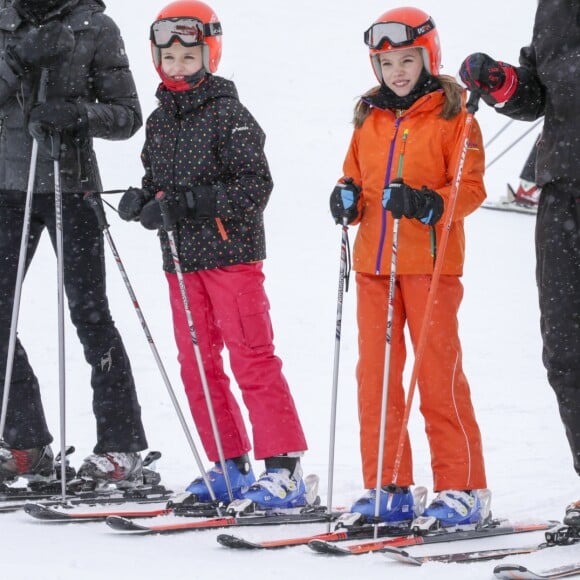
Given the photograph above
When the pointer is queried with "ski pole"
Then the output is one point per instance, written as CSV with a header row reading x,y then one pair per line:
x,y
168,227
486,145
389,336
21,263
94,200
514,143
56,138
343,278
472,106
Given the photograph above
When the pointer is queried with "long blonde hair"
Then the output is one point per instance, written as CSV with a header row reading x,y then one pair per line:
x,y
452,106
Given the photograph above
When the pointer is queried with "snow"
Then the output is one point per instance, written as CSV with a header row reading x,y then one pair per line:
x,y
299,67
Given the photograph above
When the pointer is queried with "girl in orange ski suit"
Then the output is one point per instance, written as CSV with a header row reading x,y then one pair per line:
x,y
426,147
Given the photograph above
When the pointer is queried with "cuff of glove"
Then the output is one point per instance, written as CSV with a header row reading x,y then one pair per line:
x,y
504,93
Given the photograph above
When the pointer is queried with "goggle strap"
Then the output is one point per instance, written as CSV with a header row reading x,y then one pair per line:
x,y
212,29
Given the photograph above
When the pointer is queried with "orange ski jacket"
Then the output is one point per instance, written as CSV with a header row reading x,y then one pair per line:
x,y
424,149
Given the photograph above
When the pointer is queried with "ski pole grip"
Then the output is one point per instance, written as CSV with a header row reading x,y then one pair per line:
x,y
161,198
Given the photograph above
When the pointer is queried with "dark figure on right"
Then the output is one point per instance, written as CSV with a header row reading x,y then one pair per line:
x,y
545,84
528,193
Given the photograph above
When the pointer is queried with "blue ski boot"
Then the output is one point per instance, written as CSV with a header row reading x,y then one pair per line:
x,y
456,508
241,478
395,505
280,487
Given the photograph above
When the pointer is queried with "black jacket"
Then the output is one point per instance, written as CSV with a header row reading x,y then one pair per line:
x,y
205,136
95,74
549,85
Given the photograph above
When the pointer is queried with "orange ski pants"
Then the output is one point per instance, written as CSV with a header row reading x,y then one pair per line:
x,y
445,401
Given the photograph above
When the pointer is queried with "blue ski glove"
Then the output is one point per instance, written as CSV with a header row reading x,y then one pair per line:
x,y
344,201
404,201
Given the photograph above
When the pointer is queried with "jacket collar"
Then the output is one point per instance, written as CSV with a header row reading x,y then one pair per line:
x,y
179,103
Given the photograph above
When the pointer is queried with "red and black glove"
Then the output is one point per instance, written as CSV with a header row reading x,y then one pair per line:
x,y
496,81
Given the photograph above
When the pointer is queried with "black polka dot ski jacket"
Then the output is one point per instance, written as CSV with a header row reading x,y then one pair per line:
x,y
205,136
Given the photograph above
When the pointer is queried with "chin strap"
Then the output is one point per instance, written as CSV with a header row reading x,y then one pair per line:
x,y
188,83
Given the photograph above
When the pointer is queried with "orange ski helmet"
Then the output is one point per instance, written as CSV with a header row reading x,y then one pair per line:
x,y
189,22
401,28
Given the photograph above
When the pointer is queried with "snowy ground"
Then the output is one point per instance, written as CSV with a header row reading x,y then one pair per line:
x,y
299,67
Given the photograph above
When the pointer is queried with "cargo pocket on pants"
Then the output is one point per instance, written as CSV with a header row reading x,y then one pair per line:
x,y
254,309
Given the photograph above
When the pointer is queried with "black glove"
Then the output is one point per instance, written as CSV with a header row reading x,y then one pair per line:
x,y
495,80
198,203
50,122
422,204
57,116
343,201
132,203
41,47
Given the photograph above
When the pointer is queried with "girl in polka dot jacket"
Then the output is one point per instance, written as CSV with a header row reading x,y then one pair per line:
x,y
205,152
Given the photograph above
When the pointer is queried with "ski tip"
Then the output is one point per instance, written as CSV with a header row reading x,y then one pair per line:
x,y
507,571
230,541
44,512
324,547
122,524
400,556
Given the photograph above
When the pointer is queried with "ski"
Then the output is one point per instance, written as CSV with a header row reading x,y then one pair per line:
x,y
458,557
509,206
66,513
84,509
309,515
494,528
338,535
516,572
557,536
140,494
509,203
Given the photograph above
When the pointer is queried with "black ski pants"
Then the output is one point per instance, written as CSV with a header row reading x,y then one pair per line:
x,y
558,279
115,404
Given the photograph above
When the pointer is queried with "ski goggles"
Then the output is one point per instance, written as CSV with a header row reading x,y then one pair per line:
x,y
188,31
396,33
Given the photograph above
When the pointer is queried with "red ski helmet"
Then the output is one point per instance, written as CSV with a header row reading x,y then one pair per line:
x,y
189,22
403,28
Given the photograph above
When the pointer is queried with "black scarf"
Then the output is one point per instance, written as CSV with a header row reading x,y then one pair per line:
x,y
387,99
39,11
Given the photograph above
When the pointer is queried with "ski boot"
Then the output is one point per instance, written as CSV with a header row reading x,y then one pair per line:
x,y
116,467
280,487
572,515
398,505
453,508
36,464
240,475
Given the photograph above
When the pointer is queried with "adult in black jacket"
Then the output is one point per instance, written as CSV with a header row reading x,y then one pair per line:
x,y
547,84
90,93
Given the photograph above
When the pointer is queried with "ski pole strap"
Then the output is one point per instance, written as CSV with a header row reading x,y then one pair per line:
x,y
347,256
473,102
